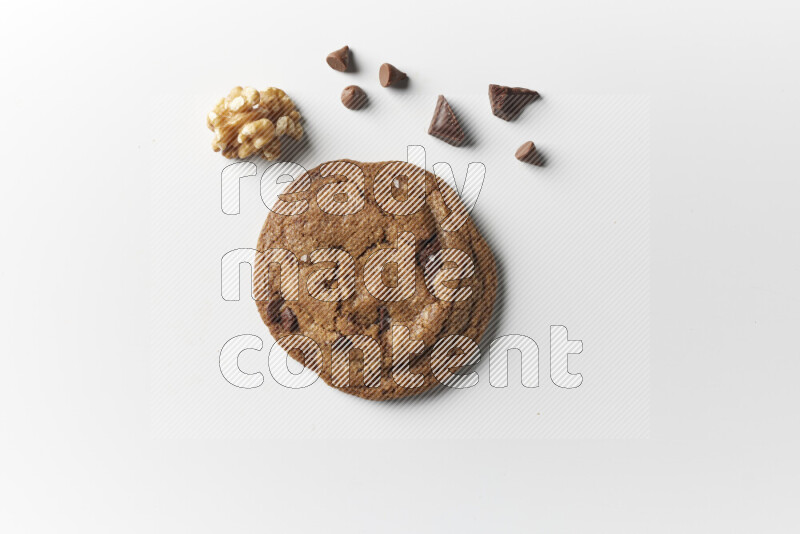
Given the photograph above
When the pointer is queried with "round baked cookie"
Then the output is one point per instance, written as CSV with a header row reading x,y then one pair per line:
x,y
328,212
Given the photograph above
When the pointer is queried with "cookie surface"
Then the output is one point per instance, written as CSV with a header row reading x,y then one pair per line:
x,y
331,306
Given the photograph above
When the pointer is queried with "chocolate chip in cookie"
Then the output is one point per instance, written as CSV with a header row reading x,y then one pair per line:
x,y
384,319
279,314
289,320
274,310
428,248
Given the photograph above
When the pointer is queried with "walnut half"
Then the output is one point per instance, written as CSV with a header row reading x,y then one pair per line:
x,y
249,121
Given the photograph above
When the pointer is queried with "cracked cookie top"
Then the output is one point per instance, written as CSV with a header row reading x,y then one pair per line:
x,y
376,246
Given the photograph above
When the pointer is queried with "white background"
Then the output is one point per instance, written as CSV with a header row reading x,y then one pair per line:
x,y
78,448
571,242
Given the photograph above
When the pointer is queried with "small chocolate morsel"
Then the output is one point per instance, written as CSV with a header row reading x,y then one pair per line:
x,y
508,102
444,124
354,97
339,59
390,75
274,309
384,319
289,320
342,343
428,248
528,154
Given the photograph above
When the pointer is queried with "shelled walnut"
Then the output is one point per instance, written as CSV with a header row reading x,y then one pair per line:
x,y
249,121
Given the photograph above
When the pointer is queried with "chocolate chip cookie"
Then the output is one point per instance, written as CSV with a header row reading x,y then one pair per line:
x,y
359,257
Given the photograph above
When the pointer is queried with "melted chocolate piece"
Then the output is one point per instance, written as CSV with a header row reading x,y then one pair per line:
x,y
342,343
274,310
384,319
428,248
289,320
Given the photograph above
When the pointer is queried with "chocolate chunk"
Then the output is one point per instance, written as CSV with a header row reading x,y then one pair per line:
x,y
527,153
444,124
390,75
384,319
274,309
354,97
328,283
289,320
428,248
508,102
339,59
342,343
353,318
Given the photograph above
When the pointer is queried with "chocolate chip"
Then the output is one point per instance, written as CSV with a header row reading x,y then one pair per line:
x,y
508,102
528,154
274,310
428,248
444,124
384,319
339,59
289,320
342,343
328,284
354,97
390,75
